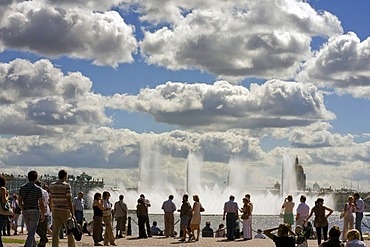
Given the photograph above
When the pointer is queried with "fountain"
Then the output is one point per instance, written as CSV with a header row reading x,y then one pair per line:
x,y
156,183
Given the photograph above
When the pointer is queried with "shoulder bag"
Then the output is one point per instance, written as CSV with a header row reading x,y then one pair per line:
x,y
5,208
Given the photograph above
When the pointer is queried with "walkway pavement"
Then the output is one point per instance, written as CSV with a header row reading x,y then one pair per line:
x,y
162,241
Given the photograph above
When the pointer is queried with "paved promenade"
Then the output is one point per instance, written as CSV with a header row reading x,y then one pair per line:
x,y
162,241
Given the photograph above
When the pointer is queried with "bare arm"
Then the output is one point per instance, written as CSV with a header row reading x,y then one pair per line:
x,y
330,211
70,206
42,209
268,232
5,197
309,215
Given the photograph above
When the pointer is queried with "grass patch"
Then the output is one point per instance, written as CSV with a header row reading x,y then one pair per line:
x,y
13,241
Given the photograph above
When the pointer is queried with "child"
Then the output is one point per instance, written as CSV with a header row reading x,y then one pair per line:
x,y
301,240
220,232
155,230
259,234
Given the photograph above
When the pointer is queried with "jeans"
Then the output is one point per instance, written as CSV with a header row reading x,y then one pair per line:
x,y
358,222
79,216
230,225
31,218
3,219
42,229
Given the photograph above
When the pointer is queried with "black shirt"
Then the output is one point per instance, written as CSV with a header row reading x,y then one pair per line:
x,y
284,241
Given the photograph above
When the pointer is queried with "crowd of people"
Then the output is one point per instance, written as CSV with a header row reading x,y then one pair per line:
x,y
46,209
351,234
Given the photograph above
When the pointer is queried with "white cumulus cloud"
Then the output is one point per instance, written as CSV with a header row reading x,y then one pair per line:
x,y
236,40
102,37
342,64
37,98
223,105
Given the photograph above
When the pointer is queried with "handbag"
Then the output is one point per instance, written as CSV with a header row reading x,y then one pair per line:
x,y
341,216
245,216
106,213
74,228
5,208
202,209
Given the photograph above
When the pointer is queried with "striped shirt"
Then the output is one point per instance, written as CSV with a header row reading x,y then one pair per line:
x,y
60,194
30,195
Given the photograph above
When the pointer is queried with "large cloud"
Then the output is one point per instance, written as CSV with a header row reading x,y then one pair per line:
x,y
120,148
341,64
86,4
224,106
37,98
239,40
318,135
103,37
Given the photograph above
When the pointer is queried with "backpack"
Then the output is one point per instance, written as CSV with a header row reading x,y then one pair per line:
x,y
74,228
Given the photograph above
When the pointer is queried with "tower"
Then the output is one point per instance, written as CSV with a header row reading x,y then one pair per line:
x,y
301,176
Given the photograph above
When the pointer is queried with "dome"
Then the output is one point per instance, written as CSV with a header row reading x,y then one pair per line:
x,y
316,187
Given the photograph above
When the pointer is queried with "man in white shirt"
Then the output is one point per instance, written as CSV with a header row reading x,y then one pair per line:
x,y
359,210
302,212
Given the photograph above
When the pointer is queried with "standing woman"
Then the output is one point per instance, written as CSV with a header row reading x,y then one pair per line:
x,y
321,220
288,206
97,219
348,219
3,199
141,213
196,218
17,212
246,217
107,219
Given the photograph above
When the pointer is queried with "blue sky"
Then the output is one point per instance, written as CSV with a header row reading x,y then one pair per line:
x,y
85,84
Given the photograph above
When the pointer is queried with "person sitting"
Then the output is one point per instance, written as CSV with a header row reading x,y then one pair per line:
x,y
155,231
282,239
207,231
220,232
333,241
353,238
301,240
259,234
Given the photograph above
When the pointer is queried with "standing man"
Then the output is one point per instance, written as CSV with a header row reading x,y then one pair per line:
x,y
147,223
231,214
185,213
42,227
303,210
120,212
62,208
31,202
169,208
248,196
78,206
359,210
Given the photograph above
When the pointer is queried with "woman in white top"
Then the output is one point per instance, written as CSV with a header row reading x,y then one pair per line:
x,y
288,206
196,218
348,219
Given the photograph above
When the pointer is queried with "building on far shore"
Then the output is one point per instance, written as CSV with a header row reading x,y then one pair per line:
x,y
83,182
